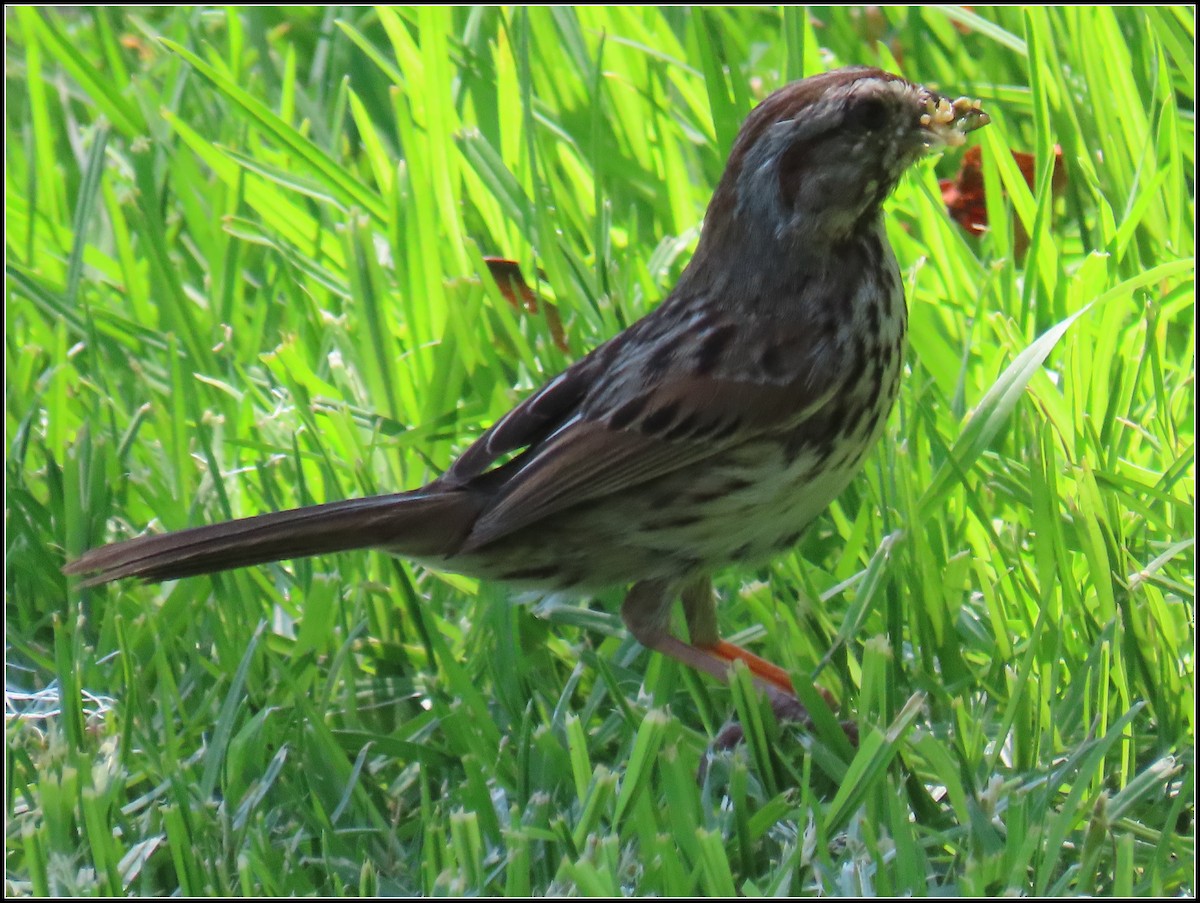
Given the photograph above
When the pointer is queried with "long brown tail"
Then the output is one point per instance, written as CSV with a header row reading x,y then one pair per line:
x,y
420,524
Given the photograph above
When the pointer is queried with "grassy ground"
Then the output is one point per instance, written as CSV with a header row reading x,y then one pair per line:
x,y
244,272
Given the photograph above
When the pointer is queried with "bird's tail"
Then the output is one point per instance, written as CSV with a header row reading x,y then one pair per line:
x,y
418,524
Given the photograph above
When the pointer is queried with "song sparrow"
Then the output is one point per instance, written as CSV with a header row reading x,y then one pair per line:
x,y
711,431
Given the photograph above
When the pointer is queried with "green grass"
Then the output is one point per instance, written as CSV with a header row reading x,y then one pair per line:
x,y
244,273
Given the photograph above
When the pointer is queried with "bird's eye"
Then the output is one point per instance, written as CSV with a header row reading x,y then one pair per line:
x,y
867,115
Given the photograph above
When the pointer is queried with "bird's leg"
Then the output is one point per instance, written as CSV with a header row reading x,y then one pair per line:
x,y
700,611
646,612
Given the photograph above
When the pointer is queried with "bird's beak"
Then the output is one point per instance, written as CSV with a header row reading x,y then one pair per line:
x,y
945,123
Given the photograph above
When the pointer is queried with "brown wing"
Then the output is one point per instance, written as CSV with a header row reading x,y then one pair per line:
x,y
525,425
677,425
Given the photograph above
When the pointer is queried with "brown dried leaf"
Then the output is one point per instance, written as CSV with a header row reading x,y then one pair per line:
x,y
965,199
511,282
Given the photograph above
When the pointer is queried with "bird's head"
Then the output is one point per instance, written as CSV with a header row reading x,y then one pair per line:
x,y
820,155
